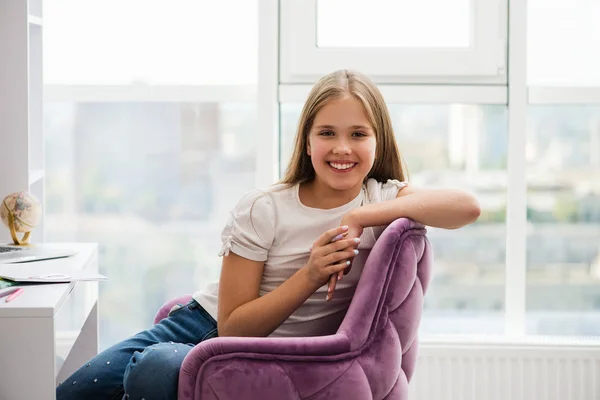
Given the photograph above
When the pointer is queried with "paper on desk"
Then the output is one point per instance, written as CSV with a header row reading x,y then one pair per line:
x,y
40,272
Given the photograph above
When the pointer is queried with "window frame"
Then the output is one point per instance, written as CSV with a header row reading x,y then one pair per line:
x,y
554,95
275,89
484,62
150,93
415,94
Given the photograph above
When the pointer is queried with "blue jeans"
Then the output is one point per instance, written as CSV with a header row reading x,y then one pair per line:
x,y
145,366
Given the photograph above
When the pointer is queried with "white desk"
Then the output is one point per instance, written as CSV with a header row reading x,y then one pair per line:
x,y
49,331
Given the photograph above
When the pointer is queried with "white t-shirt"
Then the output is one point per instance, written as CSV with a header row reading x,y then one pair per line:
x,y
275,227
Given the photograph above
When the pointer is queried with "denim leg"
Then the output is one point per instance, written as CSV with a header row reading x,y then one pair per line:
x,y
102,377
154,373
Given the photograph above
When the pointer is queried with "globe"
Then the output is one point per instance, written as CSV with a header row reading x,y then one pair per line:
x,y
20,212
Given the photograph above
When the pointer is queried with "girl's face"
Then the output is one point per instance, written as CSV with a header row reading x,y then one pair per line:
x,y
342,144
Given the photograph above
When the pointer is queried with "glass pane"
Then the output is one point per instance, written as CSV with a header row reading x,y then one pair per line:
x,y
563,42
563,211
153,184
393,23
124,42
457,146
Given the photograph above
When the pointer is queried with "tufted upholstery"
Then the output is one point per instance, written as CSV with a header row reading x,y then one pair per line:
x,y
372,356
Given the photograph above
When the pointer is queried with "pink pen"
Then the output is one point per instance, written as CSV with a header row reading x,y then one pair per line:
x,y
14,294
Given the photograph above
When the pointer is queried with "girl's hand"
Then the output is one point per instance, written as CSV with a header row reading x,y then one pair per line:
x,y
330,255
355,230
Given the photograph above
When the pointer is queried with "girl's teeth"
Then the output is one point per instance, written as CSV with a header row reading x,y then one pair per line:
x,y
341,166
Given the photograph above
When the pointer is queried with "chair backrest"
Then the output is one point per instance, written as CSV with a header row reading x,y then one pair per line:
x,y
388,301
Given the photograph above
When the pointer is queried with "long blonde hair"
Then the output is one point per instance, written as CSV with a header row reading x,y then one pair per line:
x,y
388,161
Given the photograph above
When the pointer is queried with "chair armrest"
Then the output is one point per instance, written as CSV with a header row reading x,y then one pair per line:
x,y
305,347
207,369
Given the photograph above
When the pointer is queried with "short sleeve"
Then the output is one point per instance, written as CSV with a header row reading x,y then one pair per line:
x,y
379,191
250,229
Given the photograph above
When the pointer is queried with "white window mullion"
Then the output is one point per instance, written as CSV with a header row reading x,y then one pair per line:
x,y
516,207
415,94
150,93
267,151
564,95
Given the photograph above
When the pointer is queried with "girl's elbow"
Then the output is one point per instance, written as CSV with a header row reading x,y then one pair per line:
x,y
473,210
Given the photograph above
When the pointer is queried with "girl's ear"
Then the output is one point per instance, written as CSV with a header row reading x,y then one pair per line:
x,y
308,147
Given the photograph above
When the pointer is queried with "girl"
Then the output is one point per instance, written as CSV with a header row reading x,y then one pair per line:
x,y
345,182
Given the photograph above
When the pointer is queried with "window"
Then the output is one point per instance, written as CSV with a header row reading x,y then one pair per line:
x,y
563,165
563,211
146,42
150,138
394,24
152,183
459,146
427,41
177,102
563,36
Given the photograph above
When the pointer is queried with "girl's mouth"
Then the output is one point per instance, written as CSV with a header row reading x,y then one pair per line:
x,y
341,167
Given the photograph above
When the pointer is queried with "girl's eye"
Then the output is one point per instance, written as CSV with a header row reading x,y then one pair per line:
x,y
359,134
326,133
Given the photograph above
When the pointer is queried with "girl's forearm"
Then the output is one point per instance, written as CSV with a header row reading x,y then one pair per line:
x,y
261,316
449,209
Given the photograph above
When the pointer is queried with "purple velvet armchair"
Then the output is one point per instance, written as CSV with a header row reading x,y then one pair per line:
x,y
372,355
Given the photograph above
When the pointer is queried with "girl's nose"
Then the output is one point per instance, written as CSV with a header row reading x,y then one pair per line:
x,y
342,147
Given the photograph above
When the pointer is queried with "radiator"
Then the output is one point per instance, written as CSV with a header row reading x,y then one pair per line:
x,y
563,370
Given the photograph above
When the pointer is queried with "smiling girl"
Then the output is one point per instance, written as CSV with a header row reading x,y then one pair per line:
x,y
282,245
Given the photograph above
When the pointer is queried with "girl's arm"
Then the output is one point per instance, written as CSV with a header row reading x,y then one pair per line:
x,y
448,209
242,312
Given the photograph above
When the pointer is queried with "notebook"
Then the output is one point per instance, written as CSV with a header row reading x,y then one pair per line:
x,y
10,254
46,272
